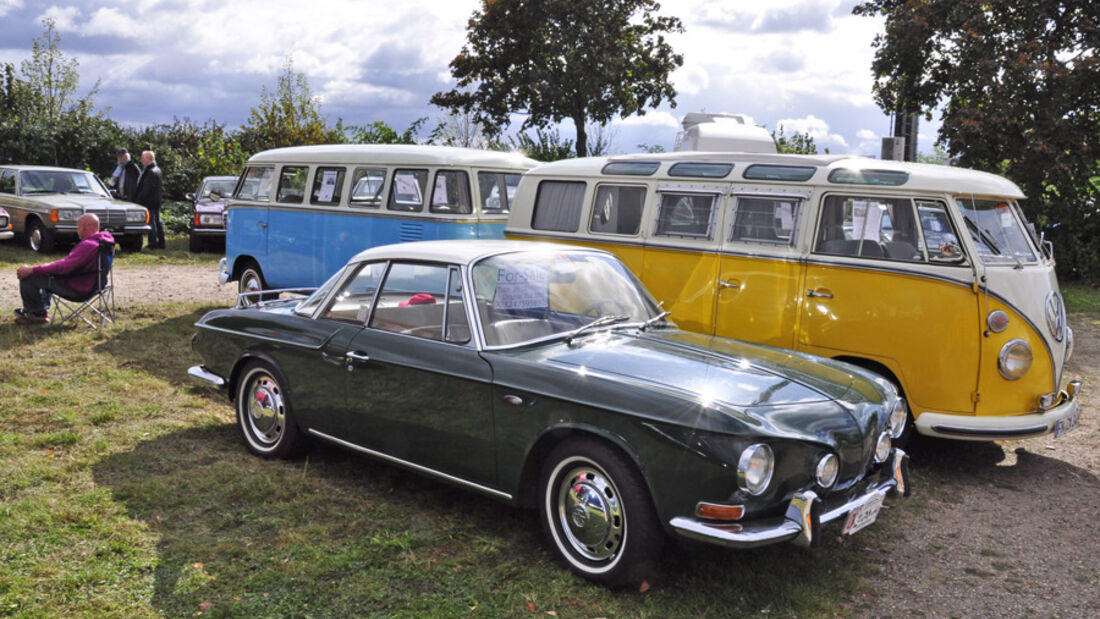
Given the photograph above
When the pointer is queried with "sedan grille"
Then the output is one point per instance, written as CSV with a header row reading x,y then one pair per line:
x,y
112,217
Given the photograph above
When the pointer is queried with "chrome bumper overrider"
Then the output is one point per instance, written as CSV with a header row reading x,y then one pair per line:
x,y
223,271
1001,427
199,371
804,516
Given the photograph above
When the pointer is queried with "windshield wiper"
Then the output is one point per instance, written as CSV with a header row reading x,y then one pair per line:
x,y
981,232
607,319
652,321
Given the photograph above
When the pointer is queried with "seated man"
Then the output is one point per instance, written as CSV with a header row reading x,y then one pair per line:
x,y
72,276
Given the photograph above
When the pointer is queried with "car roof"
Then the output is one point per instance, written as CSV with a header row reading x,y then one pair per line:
x,y
219,178
458,251
39,168
394,154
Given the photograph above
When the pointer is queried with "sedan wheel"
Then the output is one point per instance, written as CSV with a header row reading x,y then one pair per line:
x,y
39,238
263,412
598,515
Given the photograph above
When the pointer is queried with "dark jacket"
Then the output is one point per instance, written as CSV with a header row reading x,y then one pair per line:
x,y
148,192
129,183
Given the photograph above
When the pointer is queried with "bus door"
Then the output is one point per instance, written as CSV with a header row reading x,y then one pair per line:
x,y
681,254
887,282
246,227
760,272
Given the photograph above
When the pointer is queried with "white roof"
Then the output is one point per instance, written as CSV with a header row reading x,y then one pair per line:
x,y
394,154
922,177
457,251
44,168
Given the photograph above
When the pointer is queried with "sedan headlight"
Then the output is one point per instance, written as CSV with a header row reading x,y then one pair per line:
x,y
755,468
1015,359
1069,343
898,418
827,468
66,214
882,447
135,217
210,220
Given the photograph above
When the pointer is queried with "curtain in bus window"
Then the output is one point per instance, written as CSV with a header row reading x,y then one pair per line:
x,y
558,206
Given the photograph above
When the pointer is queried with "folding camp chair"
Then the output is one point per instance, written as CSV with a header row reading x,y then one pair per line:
x,y
99,303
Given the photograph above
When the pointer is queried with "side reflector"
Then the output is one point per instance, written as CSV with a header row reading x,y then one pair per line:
x,y
719,512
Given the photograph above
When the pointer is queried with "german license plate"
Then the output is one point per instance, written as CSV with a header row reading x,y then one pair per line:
x,y
1066,424
863,515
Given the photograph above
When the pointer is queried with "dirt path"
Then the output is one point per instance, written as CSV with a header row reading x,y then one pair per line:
x,y
150,284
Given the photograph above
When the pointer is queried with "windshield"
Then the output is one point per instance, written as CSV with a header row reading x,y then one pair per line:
x,y
38,182
997,233
224,188
530,295
310,303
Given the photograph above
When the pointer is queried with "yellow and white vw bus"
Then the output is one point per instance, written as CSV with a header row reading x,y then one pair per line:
x,y
926,274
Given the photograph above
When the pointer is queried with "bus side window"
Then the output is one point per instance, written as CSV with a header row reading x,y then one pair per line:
x,y
765,220
617,210
687,215
558,206
328,186
497,190
366,187
292,185
451,193
255,184
407,190
940,239
869,227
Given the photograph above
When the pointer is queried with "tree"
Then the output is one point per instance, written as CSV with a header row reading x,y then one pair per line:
x,y
290,116
545,145
461,129
380,132
1020,84
52,78
582,60
797,143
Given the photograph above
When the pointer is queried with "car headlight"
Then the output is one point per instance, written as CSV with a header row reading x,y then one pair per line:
x,y
1056,315
755,468
882,447
827,468
1069,343
898,418
67,214
135,217
210,220
1015,359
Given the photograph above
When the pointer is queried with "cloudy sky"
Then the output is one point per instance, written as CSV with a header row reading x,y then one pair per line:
x,y
800,64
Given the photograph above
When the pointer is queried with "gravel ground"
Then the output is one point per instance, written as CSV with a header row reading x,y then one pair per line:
x,y
1002,529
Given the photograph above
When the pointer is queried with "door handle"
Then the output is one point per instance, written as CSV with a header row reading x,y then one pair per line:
x,y
356,357
262,224
514,400
735,284
820,293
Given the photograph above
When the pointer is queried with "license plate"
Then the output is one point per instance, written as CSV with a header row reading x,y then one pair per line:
x,y
863,515
1066,424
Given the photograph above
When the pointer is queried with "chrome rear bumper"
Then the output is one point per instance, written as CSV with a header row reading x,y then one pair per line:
x,y
804,516
199,371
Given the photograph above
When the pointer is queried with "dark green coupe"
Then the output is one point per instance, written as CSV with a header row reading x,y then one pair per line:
x,y
545,375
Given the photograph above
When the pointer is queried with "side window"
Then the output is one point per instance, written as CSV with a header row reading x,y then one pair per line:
x,y
867,227
765,220
328,186
7,181
352,303
415,300
407,191
497,191
617,210
940,238
366,187
292,185
558,206
451,193
255,184
690,215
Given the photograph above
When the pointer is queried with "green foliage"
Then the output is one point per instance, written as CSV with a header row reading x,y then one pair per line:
x,y
651,148
545,145
797,143
379,132
51,77
583,60
938,156
1021,81
290,116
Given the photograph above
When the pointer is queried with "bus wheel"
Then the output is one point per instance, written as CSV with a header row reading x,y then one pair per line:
x,y
252,280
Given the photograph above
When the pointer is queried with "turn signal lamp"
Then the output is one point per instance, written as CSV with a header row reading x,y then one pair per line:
x,y
714,511
997,321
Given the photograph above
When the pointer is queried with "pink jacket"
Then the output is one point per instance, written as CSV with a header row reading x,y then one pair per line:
x,y
82,259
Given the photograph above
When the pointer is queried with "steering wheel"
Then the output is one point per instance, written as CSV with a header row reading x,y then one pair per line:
x,y
595,310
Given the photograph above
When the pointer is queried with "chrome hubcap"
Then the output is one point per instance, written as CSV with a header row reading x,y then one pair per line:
x,y
266,412
590,513
250,282
36,238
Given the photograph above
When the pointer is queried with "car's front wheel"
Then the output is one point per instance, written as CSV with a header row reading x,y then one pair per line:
x,y
131,242
40,238
264,414
597,512
194,244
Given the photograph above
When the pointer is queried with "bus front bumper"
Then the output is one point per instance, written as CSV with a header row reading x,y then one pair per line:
x,y
1059,419
223,271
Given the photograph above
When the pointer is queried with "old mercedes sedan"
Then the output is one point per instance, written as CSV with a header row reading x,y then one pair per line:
x,y
44,204
546,376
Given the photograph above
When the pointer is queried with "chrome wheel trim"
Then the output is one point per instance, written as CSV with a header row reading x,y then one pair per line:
x,y
265,410
589,513
35,238
250,282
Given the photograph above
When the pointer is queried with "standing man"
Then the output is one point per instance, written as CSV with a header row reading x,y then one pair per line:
x,y
148,194
126,175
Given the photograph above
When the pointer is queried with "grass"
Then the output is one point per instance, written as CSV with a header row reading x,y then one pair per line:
x,y
1081,298
127,492
14,253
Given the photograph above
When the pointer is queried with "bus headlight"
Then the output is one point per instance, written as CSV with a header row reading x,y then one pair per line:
x,y
1015,359
1069,342
755,468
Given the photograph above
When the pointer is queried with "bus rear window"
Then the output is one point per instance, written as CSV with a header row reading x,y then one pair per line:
x,y
558,206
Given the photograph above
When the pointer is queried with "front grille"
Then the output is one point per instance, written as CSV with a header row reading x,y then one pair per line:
x,y
112,217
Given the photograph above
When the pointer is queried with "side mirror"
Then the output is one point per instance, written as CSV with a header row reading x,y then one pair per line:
x,y
189,196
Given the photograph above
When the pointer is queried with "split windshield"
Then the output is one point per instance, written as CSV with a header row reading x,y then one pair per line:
x,y
997,232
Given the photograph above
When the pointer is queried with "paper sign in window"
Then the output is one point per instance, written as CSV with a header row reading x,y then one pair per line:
x,y
328,186
522,287
407,189
866,220
439,196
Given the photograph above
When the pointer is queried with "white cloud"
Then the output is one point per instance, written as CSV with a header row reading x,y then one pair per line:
x,y
63,17
866,134
815,127
7,6
112,22
691,79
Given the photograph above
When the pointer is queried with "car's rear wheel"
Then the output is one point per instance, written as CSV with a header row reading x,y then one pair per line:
x,y
131,242
598,515
40,238
264,414
194,244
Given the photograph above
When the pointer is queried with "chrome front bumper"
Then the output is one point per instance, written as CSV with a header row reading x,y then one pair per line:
x,y
802,522
199,371
970,428
6,234
223,271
